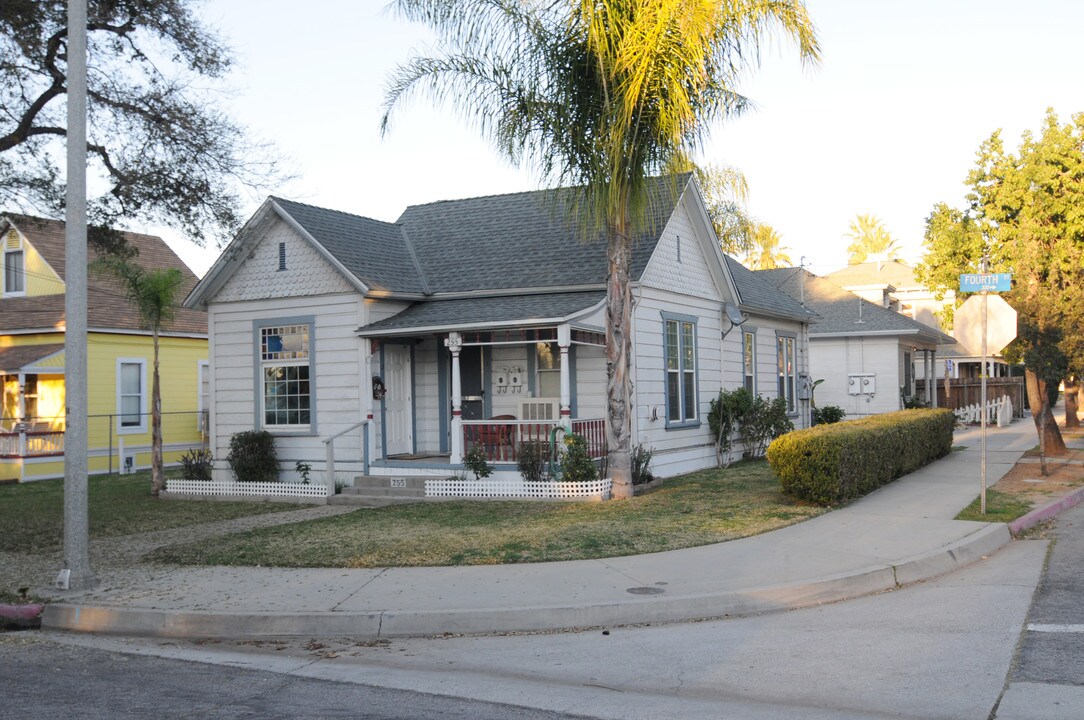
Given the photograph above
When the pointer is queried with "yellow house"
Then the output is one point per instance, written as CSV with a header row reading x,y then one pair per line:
x,y
120,360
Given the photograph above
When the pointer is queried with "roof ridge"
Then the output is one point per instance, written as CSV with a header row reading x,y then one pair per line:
x,y
321,208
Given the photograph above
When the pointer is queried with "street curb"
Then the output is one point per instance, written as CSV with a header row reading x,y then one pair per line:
x,y
20,616
393,623
1045,512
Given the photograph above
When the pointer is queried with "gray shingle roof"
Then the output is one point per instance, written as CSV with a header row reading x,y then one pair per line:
x,y
896,273
759,294
467,312
840,310
376,252
523,240
497,242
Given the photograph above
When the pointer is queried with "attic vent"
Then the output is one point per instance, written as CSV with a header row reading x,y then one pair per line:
x,y
679,249
282,256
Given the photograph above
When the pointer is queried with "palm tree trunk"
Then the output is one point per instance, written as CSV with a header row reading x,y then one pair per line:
x,y
1050,440
618,360
158,482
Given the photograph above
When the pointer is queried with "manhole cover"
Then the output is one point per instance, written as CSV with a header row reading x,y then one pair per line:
x,y
645,591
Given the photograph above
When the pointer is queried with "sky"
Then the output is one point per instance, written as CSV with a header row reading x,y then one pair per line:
x,y
888,125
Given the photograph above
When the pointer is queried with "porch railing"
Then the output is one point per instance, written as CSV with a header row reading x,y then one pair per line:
x,y
31,443
501,439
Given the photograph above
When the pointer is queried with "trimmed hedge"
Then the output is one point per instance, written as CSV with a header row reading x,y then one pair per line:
x,y
828,464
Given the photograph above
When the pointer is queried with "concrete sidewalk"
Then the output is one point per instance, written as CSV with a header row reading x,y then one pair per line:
x,y
900,534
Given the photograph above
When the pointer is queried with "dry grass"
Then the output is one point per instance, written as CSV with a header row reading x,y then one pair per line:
x,y
32,514
697,509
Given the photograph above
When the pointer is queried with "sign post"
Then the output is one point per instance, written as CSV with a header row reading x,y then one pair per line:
x,y
985,283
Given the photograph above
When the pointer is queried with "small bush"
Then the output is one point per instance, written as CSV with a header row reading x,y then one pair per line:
x,y
641,465
252,456
828,414
197,465
303,469
827,464
576,464
764,421
724,417
531,459
476,462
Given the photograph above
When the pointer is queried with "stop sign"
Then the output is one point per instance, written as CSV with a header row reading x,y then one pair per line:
x,y
1000,324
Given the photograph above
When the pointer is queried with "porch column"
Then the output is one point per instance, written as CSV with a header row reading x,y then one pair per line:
x,y
22,396
564,340
933,376
454,343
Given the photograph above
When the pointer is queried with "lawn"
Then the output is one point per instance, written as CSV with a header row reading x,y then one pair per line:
x,y
1000,507
32,514
697,509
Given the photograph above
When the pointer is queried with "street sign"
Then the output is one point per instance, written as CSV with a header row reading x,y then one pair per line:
x,y
1001,324
992,282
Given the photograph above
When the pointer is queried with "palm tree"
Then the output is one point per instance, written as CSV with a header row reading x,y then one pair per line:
x,y
868,236
726,193
154,295
600,94
767,252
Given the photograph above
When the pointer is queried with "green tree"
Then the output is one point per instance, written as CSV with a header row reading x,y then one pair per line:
x,y
600,94
768,251
154,294
1026,209
868,236
726,193
160,146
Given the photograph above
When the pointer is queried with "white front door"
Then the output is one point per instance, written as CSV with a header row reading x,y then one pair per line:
x,y
398,402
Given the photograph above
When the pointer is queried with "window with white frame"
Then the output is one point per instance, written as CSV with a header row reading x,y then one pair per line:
x,y
14,273
786,368
749,359
679,343
131,395
548,356
203,396
285,370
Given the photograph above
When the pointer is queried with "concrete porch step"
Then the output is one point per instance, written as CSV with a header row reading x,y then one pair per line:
x,y
385,491
364,482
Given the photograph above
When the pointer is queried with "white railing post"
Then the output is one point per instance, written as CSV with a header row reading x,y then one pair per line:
x,y
454,343
564,339
329,473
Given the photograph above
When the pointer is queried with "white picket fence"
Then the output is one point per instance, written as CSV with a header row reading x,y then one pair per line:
x,y
518,488
242,489
997,411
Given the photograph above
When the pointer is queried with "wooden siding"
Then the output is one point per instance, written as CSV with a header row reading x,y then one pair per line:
x,y
339,369
683,271
834,359
307,273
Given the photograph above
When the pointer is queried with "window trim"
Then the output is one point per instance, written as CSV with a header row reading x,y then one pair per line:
x,y
695,421
750,332
792,399
21,250
258,366
143,393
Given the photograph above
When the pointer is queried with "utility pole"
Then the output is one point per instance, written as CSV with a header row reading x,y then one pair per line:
x,y
76,574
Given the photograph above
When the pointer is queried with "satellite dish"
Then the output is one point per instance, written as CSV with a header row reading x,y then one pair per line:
x,y
733,314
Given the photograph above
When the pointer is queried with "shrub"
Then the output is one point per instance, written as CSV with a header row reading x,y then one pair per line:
x,y
724,416
828,414
827,464
252,456
576,463
303,469
754,419
476,462
197,465
764,421
641,465
531,459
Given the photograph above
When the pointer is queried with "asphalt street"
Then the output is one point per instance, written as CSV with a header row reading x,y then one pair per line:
x,y
42,678
1047,679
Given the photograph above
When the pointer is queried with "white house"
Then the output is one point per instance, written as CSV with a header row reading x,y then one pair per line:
x,y
480,322
865,352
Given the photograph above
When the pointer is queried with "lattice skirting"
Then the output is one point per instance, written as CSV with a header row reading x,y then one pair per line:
x,y
452,487
226,488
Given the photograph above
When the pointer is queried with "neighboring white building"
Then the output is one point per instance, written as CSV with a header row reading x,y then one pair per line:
x,y
867,355
480,322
